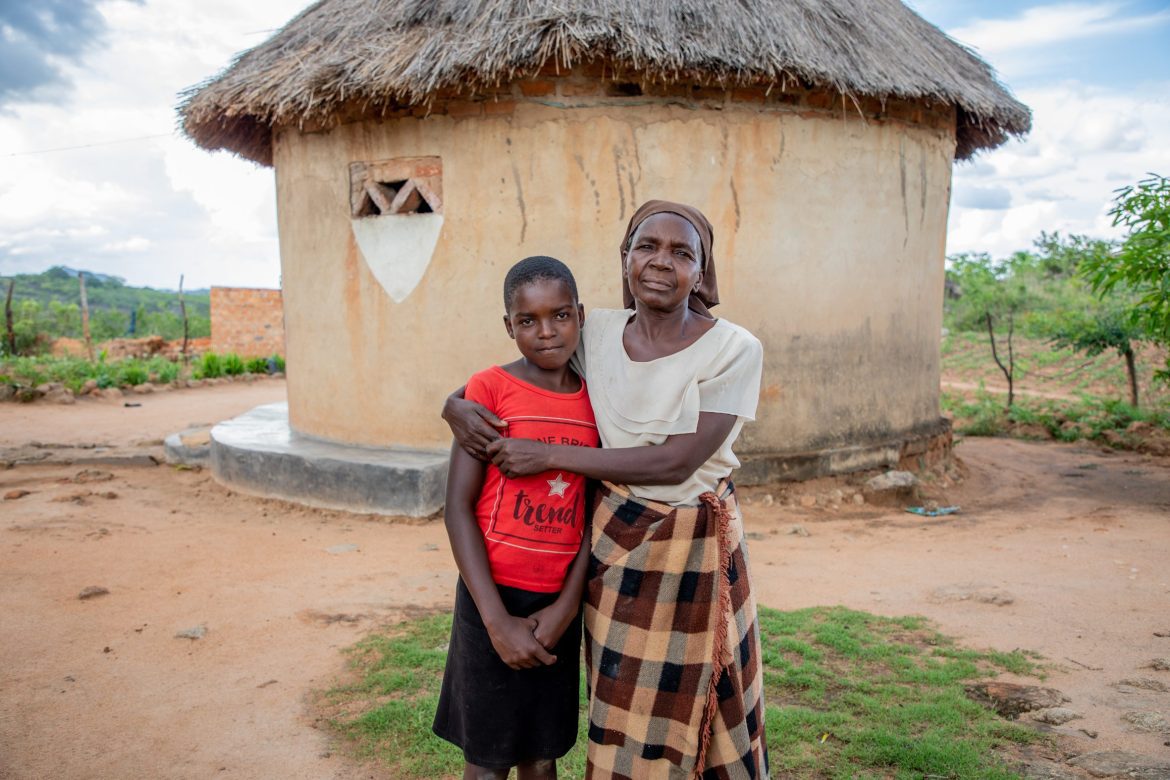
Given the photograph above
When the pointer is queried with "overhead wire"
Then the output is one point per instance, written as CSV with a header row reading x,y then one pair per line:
x,y
90,146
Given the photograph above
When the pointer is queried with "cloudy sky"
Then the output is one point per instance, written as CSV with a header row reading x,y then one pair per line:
x,y
93,174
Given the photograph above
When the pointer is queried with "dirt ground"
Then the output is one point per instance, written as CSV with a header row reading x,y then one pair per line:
x,y
1060,549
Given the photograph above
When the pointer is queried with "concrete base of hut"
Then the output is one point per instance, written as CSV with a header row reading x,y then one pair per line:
x,y
916,450
189,447
259,453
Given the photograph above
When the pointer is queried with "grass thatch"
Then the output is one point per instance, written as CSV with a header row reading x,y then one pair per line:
x,y
386,53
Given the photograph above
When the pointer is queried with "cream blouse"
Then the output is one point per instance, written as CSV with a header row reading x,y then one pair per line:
x,y
640,403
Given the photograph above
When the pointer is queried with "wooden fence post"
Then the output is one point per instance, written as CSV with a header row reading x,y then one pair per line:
x,y
8,319
183,309
85,317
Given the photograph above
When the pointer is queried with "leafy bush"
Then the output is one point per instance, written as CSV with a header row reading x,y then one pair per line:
x,y
133,372
1088,418
164,371
278,363
257,365
233,364
983,416
74,372
209,366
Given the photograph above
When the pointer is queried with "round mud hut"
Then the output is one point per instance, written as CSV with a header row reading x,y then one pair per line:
x,y
422,146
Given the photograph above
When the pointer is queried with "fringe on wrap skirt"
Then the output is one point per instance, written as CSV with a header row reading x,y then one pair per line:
x,y
672,642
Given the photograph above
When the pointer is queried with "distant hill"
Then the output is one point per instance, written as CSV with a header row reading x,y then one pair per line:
x,y
49,303
88,274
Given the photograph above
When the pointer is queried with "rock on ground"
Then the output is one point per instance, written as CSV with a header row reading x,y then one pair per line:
x,y
1010,699
891,488
1143,683
61,395
1057,716
1147,722
891,480
1047,771
1120,763
195,632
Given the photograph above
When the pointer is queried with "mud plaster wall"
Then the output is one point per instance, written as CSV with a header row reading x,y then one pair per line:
x,y
247,321
829,232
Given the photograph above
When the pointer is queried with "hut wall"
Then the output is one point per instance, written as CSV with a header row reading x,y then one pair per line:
x,y
829,231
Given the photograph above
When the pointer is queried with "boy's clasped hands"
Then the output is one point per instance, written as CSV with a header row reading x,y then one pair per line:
x,y
524,642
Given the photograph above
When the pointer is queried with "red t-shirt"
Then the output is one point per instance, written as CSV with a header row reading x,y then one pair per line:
x,y
533,525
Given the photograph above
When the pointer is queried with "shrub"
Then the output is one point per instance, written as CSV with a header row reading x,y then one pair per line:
x,y
73,372
257,365
132,372
209,366
233,364
164,369
278,363
985,416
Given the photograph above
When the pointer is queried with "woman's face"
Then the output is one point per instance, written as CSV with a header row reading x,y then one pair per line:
x,y
664,262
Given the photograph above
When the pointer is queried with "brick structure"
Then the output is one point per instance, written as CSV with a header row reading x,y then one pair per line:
x,y
247,321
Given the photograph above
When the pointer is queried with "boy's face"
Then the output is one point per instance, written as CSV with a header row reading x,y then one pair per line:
x,y
545,321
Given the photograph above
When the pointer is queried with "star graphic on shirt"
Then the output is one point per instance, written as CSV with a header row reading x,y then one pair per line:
x,y
556,487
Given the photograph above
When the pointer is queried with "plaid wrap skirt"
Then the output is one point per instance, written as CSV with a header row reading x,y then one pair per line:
x,y
672,642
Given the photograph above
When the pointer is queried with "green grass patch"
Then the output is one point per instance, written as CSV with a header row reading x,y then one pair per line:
x,y
73,373
1090,417
1045,369
850,695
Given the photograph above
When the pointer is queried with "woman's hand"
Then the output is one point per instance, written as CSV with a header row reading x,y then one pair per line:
x,y
516,645
473,426
552,621
519,457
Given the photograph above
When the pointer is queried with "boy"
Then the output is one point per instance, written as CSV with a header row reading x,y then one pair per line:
x,y
510,689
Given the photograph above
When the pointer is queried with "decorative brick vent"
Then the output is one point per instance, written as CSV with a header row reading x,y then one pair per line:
x,y
407,185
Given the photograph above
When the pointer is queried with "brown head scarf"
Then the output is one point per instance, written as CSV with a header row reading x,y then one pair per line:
x,y
707,296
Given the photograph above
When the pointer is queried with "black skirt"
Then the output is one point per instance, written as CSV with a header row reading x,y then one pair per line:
x,y
499,716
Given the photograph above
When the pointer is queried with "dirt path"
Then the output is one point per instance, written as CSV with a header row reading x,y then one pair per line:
x,y
1075,538
111,423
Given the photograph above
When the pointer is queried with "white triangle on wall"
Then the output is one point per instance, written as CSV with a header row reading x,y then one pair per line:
x,y
398,248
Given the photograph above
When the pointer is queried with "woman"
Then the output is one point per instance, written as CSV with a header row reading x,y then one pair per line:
x,y
673,642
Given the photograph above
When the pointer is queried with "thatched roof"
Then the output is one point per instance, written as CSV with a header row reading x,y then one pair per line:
x,y
380,53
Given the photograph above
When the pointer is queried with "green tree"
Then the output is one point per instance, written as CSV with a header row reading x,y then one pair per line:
x,y
1142,264
109,324
993,294
1103,328
65,320
1061,257
28,326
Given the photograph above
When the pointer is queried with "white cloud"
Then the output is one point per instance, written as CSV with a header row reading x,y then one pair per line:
x,y
1086,142
1049,24
132,244
146,208
246,209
